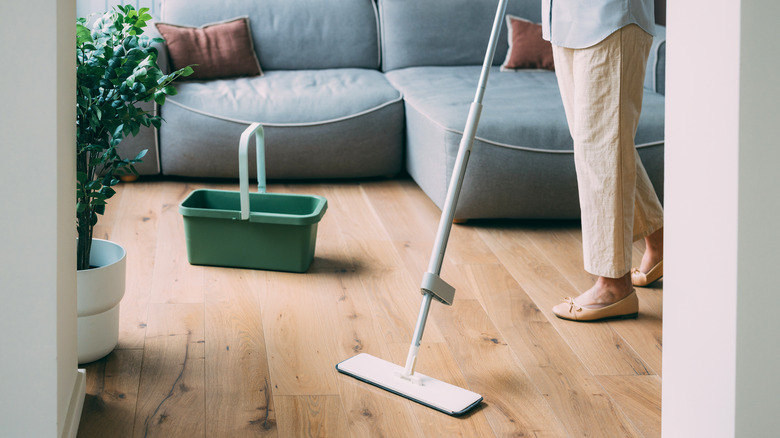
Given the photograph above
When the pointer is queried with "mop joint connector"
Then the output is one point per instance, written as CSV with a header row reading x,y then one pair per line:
x,y
440,289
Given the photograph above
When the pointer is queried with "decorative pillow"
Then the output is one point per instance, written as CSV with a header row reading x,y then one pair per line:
x,y
527,48
220,50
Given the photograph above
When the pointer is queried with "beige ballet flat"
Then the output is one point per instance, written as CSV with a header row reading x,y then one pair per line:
x,y
628,307
639,278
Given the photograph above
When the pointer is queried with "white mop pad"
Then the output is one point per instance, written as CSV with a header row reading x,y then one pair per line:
x,y
442,396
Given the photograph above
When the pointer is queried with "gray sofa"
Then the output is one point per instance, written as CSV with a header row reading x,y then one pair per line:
x,y
364,88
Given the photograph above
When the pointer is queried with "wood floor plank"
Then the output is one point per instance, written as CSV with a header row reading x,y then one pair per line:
x,y
599,347
360,226
239,401
410,230
575,396
412,225
372,411
393,294
311,416
175,280
345,304
112,394
298,361
136,229
171,395
514,406
640,398
463,249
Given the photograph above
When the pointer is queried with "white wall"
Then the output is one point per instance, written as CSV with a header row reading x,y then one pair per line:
x,y
758,248
38,370
86,7
721,332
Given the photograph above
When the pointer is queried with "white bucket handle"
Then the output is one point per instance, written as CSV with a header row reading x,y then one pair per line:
x,y
243,165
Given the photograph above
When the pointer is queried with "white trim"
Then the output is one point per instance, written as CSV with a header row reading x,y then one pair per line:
x,y
70,426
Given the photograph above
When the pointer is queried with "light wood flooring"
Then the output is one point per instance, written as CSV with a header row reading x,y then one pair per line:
x,y
222,352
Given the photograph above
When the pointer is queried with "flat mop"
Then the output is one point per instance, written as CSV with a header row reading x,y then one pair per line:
x,y
403,381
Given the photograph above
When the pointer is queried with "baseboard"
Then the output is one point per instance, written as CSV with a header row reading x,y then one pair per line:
x,y
71,424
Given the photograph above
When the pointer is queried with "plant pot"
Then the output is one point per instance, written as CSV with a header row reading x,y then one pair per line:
x,y
99,292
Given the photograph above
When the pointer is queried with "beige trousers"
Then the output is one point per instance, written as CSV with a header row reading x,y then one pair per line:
x,y
602,89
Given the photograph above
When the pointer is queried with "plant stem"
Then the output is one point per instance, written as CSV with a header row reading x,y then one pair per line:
x,y
84,247
83,228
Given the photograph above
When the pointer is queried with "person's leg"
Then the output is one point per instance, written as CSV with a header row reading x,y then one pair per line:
x,y
606,94
648,224
654,250
651,267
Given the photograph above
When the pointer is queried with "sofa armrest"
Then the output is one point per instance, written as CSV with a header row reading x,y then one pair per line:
x,y
655,75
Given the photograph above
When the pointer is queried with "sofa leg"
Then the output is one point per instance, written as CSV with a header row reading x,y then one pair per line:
x,y
457,221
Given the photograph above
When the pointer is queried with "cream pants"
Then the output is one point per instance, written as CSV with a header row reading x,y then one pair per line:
x,y
602,89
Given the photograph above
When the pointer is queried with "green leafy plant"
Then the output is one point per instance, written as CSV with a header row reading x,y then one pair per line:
x,y
116,71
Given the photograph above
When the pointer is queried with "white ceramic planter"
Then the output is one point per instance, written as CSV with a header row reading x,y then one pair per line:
x,y
99,292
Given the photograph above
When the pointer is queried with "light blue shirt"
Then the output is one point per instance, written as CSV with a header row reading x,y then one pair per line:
x,y
577,24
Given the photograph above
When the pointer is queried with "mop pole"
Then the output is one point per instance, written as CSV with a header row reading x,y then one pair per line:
x,y
453,191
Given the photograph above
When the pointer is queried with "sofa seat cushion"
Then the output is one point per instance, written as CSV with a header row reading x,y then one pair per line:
x,y
522,161
318,123
283,97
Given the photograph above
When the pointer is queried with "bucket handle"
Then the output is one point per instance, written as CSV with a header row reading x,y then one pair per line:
x,y
243,165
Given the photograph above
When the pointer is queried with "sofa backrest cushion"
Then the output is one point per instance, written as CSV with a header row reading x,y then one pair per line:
x,y
444,32
294,34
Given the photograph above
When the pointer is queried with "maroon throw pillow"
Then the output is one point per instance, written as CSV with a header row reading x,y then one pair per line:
x,y
527,48
220,50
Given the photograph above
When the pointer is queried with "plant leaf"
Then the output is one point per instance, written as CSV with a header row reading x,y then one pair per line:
x,y
83,34
159,98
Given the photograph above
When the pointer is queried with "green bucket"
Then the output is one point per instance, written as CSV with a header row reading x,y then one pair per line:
x,y
269,231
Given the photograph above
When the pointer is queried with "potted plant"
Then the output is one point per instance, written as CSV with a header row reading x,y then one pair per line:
x,y
116,70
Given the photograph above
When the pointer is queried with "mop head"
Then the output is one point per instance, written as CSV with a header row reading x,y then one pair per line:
x,y
450,399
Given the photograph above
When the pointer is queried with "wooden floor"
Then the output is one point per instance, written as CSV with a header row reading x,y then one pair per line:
x,y
221,352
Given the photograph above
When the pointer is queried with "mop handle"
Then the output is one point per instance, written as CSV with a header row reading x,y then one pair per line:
x,y
456,182
464,150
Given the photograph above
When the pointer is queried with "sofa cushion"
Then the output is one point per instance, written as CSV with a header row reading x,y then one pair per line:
x,y
216,50
444,32
519,108
318,123
527,48
284,97
294,34
522,161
